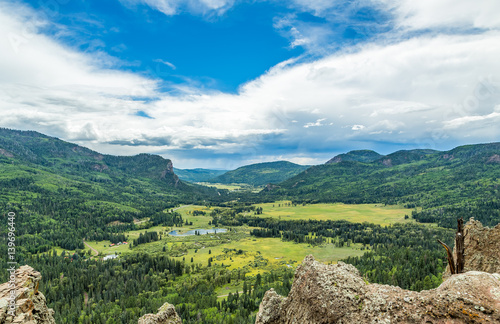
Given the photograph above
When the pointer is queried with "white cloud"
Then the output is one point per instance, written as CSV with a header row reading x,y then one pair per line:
x,y
426,14
172,66
172,7
415,88
317,123
467,120
423,14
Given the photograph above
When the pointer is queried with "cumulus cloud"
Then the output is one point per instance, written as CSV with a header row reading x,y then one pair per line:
x,y
445,13
425,89
317,123
414,14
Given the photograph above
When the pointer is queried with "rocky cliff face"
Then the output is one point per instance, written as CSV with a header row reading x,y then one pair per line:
x,y
337,294
166,315
31,308
30,305
482,248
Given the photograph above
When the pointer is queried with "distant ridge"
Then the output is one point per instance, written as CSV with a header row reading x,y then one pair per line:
x,y
261,173
198,174
357,155
406,156
446,184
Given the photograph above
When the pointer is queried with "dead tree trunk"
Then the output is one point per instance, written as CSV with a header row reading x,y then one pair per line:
x,y
459,245
456,264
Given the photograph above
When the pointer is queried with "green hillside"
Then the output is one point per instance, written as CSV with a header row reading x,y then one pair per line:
x,y
358,155
197,175
66,192
261,173
460,182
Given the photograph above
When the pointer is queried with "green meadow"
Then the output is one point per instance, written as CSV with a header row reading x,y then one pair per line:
x,y
232,186
371,213
261,253
271,249
236,249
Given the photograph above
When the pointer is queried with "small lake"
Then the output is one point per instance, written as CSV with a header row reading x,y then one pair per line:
x,y
201,231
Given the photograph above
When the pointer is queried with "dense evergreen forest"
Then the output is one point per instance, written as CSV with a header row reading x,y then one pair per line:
x,y
121,290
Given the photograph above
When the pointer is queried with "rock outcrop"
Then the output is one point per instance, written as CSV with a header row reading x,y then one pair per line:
x,y
166,315
482,248
30,304
338,294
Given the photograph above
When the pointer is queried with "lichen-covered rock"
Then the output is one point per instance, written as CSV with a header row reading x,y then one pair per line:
x,y
166,315
337,294
270,307
482,248
31,307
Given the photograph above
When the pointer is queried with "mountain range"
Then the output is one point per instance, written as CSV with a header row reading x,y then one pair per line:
x,y
260,174
461,181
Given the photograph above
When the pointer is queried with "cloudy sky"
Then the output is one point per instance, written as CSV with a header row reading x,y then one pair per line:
x,y
223,83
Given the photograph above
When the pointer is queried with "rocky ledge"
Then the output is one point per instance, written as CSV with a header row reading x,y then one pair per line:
x,y
30,306
166,315
338,294
481,248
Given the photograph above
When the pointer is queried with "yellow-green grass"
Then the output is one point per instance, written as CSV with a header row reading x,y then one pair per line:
x,y
372,213
199,222
159,229
233,287
104,248
230,187
273,249
59,251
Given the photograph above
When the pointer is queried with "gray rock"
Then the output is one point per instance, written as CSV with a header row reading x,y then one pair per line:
x,y
31,307
166,315
337,294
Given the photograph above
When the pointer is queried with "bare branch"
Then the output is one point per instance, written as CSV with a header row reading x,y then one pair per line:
x,y
451,262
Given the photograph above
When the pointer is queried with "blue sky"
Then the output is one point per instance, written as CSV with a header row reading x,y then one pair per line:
x,y
222,83
210,51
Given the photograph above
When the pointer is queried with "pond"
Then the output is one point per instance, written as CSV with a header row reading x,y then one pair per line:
x,y
201,231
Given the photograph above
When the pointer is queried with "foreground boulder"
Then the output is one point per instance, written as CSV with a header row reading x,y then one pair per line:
x,y
166,315
31,307
338,294
481,248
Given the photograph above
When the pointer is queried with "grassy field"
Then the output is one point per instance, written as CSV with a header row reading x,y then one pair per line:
x,y
258,254
261,252
372,213
232,186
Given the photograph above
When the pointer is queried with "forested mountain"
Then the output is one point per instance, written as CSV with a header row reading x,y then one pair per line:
x,y
35,149
461,182
358,155
261,173
197,175
66,192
